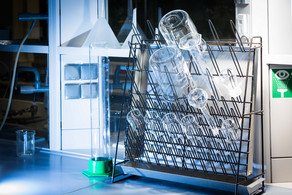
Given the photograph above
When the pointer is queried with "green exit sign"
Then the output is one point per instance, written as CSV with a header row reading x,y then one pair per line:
x,y
281,83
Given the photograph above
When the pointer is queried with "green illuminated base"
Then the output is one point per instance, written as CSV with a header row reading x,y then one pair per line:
x,y
99,168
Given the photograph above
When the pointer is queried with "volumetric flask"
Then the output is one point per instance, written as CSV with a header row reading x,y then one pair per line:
x,y
198,99
25,142
230,130
136,121
171,73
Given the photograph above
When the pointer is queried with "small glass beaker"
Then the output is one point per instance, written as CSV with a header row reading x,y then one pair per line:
x,y
25,142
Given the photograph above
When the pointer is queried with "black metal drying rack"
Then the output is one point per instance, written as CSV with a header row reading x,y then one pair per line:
x,y
205,158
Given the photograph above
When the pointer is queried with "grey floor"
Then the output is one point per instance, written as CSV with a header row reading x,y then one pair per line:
x,y
58,173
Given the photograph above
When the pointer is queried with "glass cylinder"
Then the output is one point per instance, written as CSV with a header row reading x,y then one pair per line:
x,y
171,73
25,142
100,109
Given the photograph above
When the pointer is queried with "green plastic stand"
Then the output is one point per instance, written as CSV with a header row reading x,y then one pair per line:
x,y
100,167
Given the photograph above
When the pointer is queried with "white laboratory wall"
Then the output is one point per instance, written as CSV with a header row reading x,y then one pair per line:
x,y
280,27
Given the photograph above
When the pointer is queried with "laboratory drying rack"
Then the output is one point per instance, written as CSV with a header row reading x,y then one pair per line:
x,y
212,162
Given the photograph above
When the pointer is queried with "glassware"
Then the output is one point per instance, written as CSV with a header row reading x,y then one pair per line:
x,y
171,73
191,126
25,142
177,28
230,130
136,121
153,120
100,143
176,24
173,126
100,163
230,82
198,99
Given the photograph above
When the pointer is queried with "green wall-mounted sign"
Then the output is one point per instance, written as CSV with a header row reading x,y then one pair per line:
x,y
281,83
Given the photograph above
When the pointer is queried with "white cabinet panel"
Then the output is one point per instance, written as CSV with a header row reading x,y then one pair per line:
x,y
76,104
282,170
76,139
280,27
281,127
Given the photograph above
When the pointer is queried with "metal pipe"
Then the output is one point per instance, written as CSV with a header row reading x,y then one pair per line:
x,y
37,88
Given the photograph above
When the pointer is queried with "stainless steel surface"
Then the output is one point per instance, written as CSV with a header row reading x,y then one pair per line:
x,y
44,173
60,173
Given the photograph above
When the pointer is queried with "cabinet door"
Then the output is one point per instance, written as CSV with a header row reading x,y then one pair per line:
x,y
77,106
282,170
281,111
280,27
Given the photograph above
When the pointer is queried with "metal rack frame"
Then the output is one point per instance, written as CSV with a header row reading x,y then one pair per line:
x,y
205,158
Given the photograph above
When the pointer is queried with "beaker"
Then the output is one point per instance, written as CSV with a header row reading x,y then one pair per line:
x,y
198,99
171,73
25,142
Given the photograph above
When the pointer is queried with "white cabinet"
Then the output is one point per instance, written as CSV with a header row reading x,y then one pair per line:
x,y
71,20
281,127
